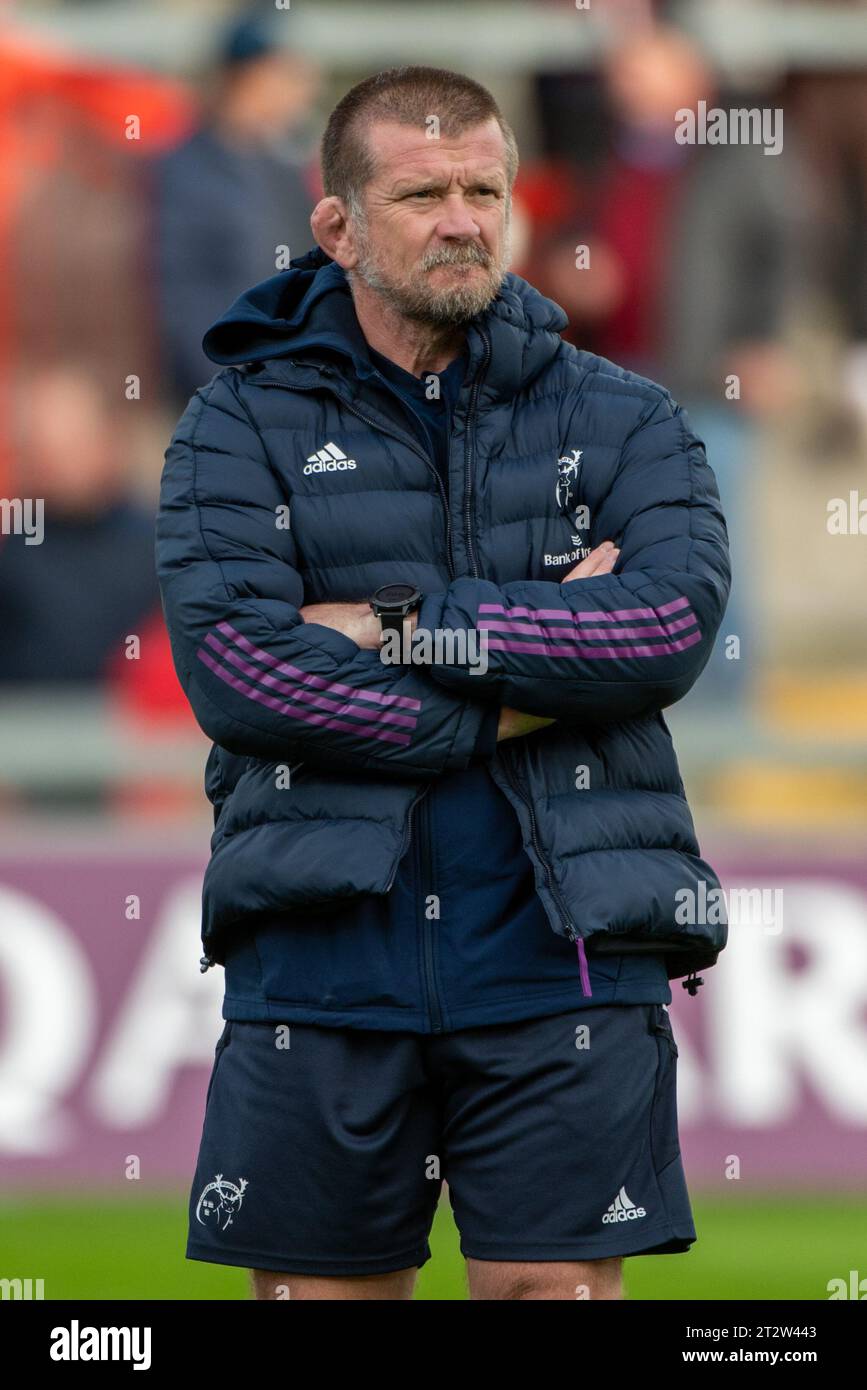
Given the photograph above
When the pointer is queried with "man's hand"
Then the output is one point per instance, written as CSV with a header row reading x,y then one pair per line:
x,y
600,561
513,723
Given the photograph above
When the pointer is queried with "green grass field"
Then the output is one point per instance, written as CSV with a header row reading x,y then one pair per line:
x,y
747,1247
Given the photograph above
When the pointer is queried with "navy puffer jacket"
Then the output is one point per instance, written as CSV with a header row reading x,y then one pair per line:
x,y
250,529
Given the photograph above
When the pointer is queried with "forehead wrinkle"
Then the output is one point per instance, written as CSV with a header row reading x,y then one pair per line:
x,y
439,180
383,136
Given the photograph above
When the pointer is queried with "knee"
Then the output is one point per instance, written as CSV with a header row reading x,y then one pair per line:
x,y
598,1279
587,1279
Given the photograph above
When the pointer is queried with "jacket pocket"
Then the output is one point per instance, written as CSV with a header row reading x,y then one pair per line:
x,y
664,1139
222,1044
663,1029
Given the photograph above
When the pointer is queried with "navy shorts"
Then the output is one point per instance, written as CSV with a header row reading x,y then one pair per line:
x,y
324,1150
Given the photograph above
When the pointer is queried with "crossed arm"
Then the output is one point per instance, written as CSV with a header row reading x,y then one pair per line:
x,y
358,622
270,677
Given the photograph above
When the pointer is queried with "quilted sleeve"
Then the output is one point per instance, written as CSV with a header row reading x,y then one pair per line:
x,y
627,643
260,680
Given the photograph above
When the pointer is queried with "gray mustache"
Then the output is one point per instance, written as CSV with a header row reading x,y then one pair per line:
x,y
457,260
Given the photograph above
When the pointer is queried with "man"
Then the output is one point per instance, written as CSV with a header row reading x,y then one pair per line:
x,y
230,195
94,527
446,895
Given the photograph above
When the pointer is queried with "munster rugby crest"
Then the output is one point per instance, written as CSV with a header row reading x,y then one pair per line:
x,y
567,479
219,1202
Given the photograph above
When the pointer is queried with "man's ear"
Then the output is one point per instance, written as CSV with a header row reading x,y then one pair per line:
x,y
330,228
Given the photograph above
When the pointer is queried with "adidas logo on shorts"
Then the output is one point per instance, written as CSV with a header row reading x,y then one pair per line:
x,y
623,1209
328,459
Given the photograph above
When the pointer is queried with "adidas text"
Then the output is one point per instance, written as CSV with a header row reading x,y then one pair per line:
x,y
332,466
623,1209
329,459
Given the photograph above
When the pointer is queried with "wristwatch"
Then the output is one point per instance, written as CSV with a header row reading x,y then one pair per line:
x,y
392,603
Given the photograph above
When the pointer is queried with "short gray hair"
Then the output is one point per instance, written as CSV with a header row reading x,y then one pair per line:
x,y
409,96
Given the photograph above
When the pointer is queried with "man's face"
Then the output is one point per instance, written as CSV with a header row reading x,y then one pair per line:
x,y
435,239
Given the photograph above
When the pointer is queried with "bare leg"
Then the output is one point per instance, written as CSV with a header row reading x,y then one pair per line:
x,y
576,1279
396,1285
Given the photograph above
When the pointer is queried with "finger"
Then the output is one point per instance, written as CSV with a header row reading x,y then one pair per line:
x,y
599,561
581,571
597,555
607,562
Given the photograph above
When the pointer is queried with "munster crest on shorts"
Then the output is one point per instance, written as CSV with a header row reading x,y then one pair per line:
x,y
219,1202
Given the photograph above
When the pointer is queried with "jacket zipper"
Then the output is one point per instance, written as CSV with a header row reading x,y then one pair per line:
x,y
425,881
393,434
568,925
469,455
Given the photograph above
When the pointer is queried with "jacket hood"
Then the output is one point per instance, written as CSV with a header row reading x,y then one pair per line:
x,y
307,310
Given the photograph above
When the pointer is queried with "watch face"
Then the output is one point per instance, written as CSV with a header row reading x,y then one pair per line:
x,y
392,595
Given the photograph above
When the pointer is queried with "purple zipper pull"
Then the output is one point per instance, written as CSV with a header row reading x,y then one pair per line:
x,y
585,973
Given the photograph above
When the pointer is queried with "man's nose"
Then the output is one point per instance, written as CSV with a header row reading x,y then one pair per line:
x,y
457,219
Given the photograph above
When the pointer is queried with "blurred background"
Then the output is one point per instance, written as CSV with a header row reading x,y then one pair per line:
x,y
153,158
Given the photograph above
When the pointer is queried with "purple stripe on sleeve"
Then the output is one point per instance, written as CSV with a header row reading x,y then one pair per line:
x,y
318,682
594,615
297,692
574,649
280,706
524,628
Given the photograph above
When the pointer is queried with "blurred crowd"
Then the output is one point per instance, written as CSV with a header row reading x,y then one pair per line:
x,y
708,265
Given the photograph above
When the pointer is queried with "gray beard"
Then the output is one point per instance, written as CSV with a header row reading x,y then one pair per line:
x,y
417,301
